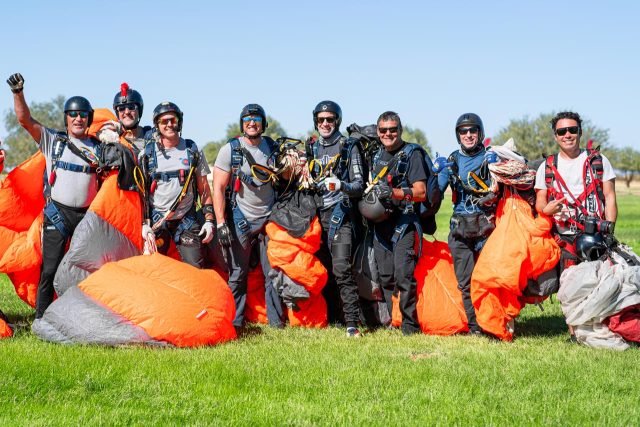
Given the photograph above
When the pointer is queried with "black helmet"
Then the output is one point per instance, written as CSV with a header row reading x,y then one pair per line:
x,y
128,96
327,106
167,107
255,110
372,208
78,103
590,247
470,119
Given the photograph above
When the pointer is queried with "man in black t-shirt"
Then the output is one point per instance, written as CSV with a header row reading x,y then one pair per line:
x,y
400,181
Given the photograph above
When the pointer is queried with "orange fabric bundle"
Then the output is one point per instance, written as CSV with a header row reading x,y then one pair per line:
x,y
295,257
439,301
21,204
440,309
520,248
5,330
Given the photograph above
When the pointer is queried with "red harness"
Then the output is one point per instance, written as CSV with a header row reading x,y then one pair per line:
x,y
592,165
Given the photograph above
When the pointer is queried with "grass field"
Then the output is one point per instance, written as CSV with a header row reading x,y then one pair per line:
x,y
318,377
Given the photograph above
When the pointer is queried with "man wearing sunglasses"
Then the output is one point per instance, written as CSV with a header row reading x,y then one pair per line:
x,y
339,165
71,181
128,106
575,186
473,219
242,199
398,188
176,172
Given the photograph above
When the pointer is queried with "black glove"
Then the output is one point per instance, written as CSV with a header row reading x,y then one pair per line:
x,y
224,235
383,190
16,82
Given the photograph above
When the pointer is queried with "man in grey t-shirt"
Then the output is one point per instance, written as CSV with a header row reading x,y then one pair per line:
x,y
71,161
177,172
242,216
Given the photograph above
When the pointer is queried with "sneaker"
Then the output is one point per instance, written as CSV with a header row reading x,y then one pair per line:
x,y
353,332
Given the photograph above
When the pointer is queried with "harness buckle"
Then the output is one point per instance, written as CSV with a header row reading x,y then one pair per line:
x,y
243,225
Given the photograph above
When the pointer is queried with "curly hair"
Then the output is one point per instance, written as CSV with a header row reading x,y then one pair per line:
x,y
565,115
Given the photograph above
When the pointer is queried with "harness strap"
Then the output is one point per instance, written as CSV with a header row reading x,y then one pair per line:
x,y
53,213
72,167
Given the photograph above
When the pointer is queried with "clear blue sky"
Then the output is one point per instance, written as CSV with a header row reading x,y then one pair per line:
x,y
428,61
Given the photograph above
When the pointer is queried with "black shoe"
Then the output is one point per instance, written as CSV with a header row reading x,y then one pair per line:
x,y
572,340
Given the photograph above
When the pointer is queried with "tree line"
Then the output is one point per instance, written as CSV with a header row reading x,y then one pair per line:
x,y
533,137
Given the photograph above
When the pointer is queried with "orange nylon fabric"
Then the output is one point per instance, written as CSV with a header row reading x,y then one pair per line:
x,y
21,204
255,309
439,301
121,209
171,300
520,248
440,309
5,330
295,257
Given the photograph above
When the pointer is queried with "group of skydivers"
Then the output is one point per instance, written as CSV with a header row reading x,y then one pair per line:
x,y
370,180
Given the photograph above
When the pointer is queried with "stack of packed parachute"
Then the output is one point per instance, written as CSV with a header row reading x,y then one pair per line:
x,y
107,292
601,299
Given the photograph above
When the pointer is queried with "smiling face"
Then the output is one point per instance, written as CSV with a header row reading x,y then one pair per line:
x,y
128,115
468,136
389,133
569,143
168,125
326,123
77,123
252,126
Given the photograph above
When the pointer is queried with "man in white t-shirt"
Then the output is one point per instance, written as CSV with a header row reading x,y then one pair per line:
x,y
575,183
577,187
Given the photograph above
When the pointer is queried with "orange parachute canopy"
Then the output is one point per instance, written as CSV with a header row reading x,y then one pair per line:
x,y
21,204
295,257
144,299
439,301
520,248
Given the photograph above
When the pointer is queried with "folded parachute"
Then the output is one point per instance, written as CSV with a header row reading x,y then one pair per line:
x,y
143,300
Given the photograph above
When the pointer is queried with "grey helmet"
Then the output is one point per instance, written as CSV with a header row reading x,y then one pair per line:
x,y
372,208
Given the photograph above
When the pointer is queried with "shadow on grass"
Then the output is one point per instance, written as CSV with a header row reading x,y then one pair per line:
x,y
541,326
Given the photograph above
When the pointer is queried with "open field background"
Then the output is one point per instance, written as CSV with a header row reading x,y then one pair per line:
x,y
318,377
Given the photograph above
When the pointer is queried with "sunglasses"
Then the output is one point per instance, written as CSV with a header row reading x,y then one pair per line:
x,y
248,119
382,131
472,129
123,108
170,121
573,130
330,120
82,114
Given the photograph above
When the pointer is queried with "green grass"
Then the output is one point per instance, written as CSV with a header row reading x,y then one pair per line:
x,y
318,377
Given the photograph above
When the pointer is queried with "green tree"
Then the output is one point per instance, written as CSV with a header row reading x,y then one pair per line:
x,y
274,130
418,136
20,144
534,137
627,161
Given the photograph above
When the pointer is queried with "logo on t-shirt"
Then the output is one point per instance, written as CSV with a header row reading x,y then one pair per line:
x,y
184,161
